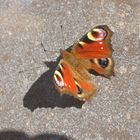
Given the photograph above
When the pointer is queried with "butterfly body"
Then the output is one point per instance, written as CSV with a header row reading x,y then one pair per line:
x,y
92,52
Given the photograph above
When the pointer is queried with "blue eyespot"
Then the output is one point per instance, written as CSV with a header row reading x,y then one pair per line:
x,y
103,62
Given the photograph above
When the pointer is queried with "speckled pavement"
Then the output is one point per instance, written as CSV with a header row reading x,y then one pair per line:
x,y
30,107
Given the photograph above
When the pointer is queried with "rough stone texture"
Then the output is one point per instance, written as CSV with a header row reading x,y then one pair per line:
x,y
29,103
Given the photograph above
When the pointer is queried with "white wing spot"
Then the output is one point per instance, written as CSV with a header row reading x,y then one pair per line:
x,y
60,81
100,42
90,36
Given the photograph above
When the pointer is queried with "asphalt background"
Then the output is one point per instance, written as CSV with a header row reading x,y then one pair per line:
x,y
30,107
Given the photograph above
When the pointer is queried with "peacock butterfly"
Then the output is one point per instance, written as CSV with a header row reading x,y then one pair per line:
x,y
93,52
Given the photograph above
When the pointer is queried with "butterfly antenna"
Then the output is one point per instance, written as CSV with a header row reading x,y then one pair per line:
x,y
45,50
62,35
42,45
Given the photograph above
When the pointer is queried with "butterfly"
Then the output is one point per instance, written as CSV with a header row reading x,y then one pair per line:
x,y
93,52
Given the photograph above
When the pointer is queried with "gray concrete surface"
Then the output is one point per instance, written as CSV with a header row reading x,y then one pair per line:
x,y
29,104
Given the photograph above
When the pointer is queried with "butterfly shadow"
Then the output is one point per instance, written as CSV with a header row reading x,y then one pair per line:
x,y
19,135
44,94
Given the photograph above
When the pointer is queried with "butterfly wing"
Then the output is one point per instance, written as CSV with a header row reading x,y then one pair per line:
x,y
96,47
73,80
92,52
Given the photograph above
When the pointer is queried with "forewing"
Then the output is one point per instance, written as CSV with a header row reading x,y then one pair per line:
x,y
96,47
95,44
69,81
